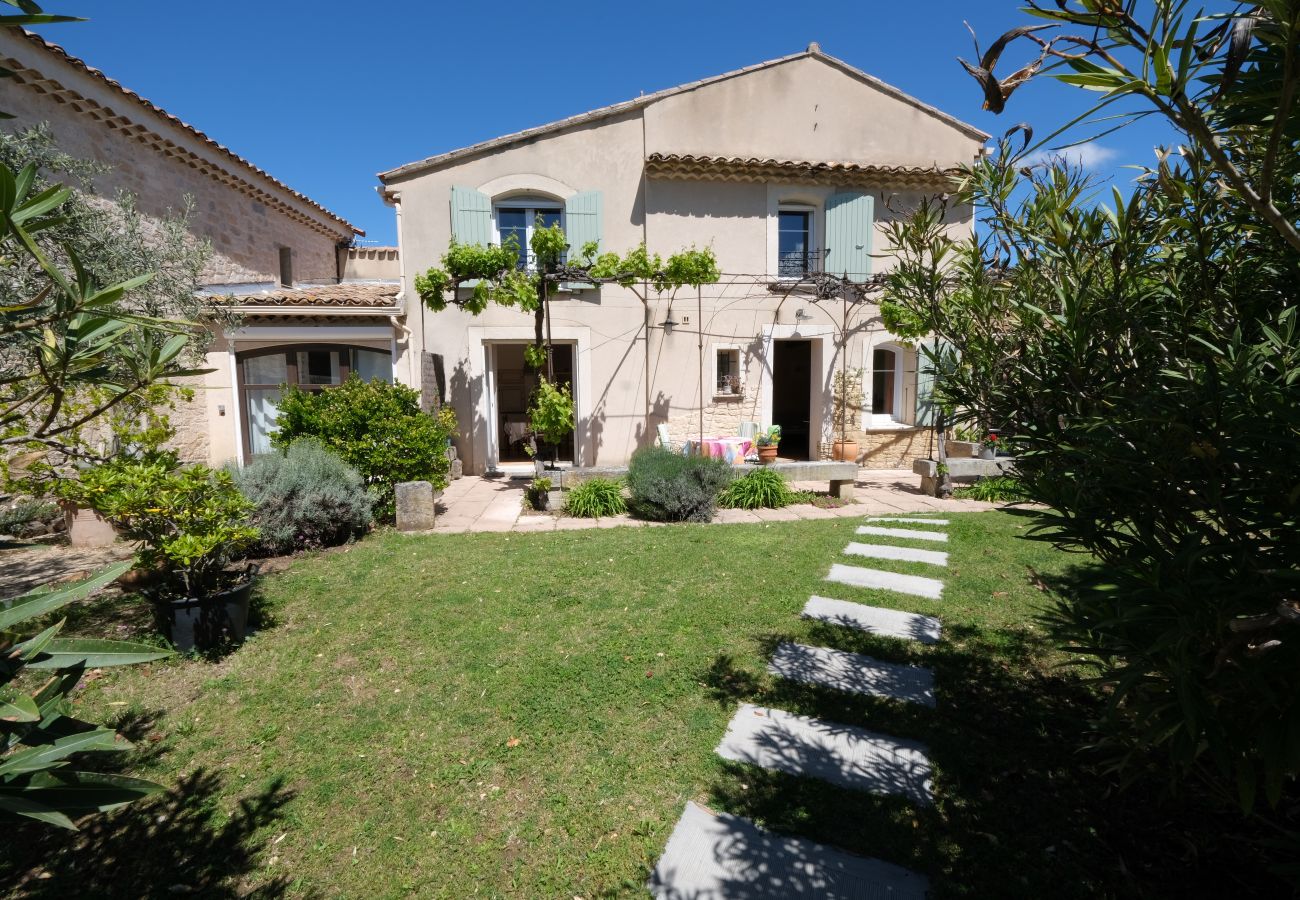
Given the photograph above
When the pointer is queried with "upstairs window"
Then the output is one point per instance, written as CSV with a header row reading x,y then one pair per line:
x,y
286,266
518,219
795,255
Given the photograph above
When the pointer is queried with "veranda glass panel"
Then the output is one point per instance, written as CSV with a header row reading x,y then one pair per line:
x,y
261,418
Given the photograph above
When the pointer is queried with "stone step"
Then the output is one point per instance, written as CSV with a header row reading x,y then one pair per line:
x,y
857,576
903,533
841,754
874,619
905,519
853,672
905,554
714,857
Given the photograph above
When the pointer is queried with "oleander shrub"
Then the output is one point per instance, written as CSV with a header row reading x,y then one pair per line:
x,y
759,489
669,487
377,428
305,497
595,498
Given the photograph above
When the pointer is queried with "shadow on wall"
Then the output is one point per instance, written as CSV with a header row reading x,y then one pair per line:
x,y
462,393
646,432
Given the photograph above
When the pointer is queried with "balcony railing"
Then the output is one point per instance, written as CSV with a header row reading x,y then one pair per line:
x,y
799,263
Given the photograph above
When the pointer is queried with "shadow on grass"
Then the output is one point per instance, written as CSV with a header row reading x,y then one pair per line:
x,y
1020,811
178,843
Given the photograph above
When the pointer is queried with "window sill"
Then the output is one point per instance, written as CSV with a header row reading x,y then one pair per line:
x,y
883,424
728,398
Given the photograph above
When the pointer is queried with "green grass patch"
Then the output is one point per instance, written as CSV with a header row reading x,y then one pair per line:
x,y
527,714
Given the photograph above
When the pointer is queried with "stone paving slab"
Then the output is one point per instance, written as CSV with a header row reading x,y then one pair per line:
x,y
857,576
841,754
908,520
852,673
874,619
903,533
904,554
722,857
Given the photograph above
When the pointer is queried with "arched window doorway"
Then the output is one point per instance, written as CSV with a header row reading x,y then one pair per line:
x,y
264,373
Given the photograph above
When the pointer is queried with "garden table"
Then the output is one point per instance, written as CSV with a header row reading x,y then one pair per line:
x,y
732,449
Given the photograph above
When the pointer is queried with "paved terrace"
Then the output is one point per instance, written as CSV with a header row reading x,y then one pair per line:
x,y
496,504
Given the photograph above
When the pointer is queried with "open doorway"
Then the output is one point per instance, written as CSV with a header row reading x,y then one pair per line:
x,y
515,383
792,396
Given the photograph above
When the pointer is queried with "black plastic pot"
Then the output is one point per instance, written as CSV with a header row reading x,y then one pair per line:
x,y
206,623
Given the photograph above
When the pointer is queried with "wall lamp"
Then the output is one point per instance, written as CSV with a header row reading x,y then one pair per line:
x,y
668,324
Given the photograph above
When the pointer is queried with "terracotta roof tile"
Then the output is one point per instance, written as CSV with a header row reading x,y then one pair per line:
x,y
736,168
354,296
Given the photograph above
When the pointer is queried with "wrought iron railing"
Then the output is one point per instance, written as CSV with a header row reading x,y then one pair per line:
x,y
799,263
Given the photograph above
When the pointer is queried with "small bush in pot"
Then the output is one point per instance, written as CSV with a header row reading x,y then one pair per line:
x,y
668,487
595,498
759,489
190,523
305,497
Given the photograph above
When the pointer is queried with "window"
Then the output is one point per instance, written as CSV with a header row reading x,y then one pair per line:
x,y
286,266
264,373
518,219
794,242
728,378
886,386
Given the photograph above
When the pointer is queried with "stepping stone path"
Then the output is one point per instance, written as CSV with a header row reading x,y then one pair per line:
x,y
856,576
723,856
910,533
884,622
853,673
904,554
714,857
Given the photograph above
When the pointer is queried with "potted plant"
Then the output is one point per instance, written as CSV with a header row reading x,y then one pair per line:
x,y
847,398
766,441
989,446
191,523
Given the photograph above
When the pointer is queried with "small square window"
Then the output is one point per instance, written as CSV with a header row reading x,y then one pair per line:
x,y
728,372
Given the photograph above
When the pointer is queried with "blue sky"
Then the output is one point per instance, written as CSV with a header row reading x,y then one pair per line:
x,y
325,94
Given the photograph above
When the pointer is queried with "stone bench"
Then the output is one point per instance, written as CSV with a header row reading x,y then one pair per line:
x,y
840,475
960,469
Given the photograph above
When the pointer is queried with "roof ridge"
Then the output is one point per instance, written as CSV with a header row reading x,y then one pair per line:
x,y
813,51
98,74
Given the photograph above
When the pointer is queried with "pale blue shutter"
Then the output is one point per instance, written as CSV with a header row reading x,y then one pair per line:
x,y
850,222
926,410
583,223
471,217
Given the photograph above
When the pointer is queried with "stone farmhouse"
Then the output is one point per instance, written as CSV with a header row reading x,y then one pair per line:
x,y
786,167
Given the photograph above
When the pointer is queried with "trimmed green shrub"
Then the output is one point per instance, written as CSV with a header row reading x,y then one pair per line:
x,y
669,487
759,489
595,498
306,497
377,428
998,489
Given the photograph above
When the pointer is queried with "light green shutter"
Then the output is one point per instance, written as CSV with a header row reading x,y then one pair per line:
x,y
926,409
583,223
471,217
850,222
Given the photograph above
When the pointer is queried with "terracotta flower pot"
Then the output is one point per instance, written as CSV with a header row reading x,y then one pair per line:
x,y
767,454
845,451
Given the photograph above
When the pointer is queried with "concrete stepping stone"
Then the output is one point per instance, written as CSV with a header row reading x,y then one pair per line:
x,y
903,533
905,554
904,519
841,754
916,585
853,673
718,857
873,619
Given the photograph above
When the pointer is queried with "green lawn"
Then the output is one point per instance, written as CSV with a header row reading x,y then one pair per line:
x,y
526,715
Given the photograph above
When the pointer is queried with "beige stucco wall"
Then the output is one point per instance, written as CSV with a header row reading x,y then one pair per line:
x,y
632,378
370,263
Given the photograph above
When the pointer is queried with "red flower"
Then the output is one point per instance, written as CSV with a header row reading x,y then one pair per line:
x,y
993,438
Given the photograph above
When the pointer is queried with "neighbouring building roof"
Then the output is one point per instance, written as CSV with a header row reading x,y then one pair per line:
x,y
366,299
254,178
735,168
605,112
